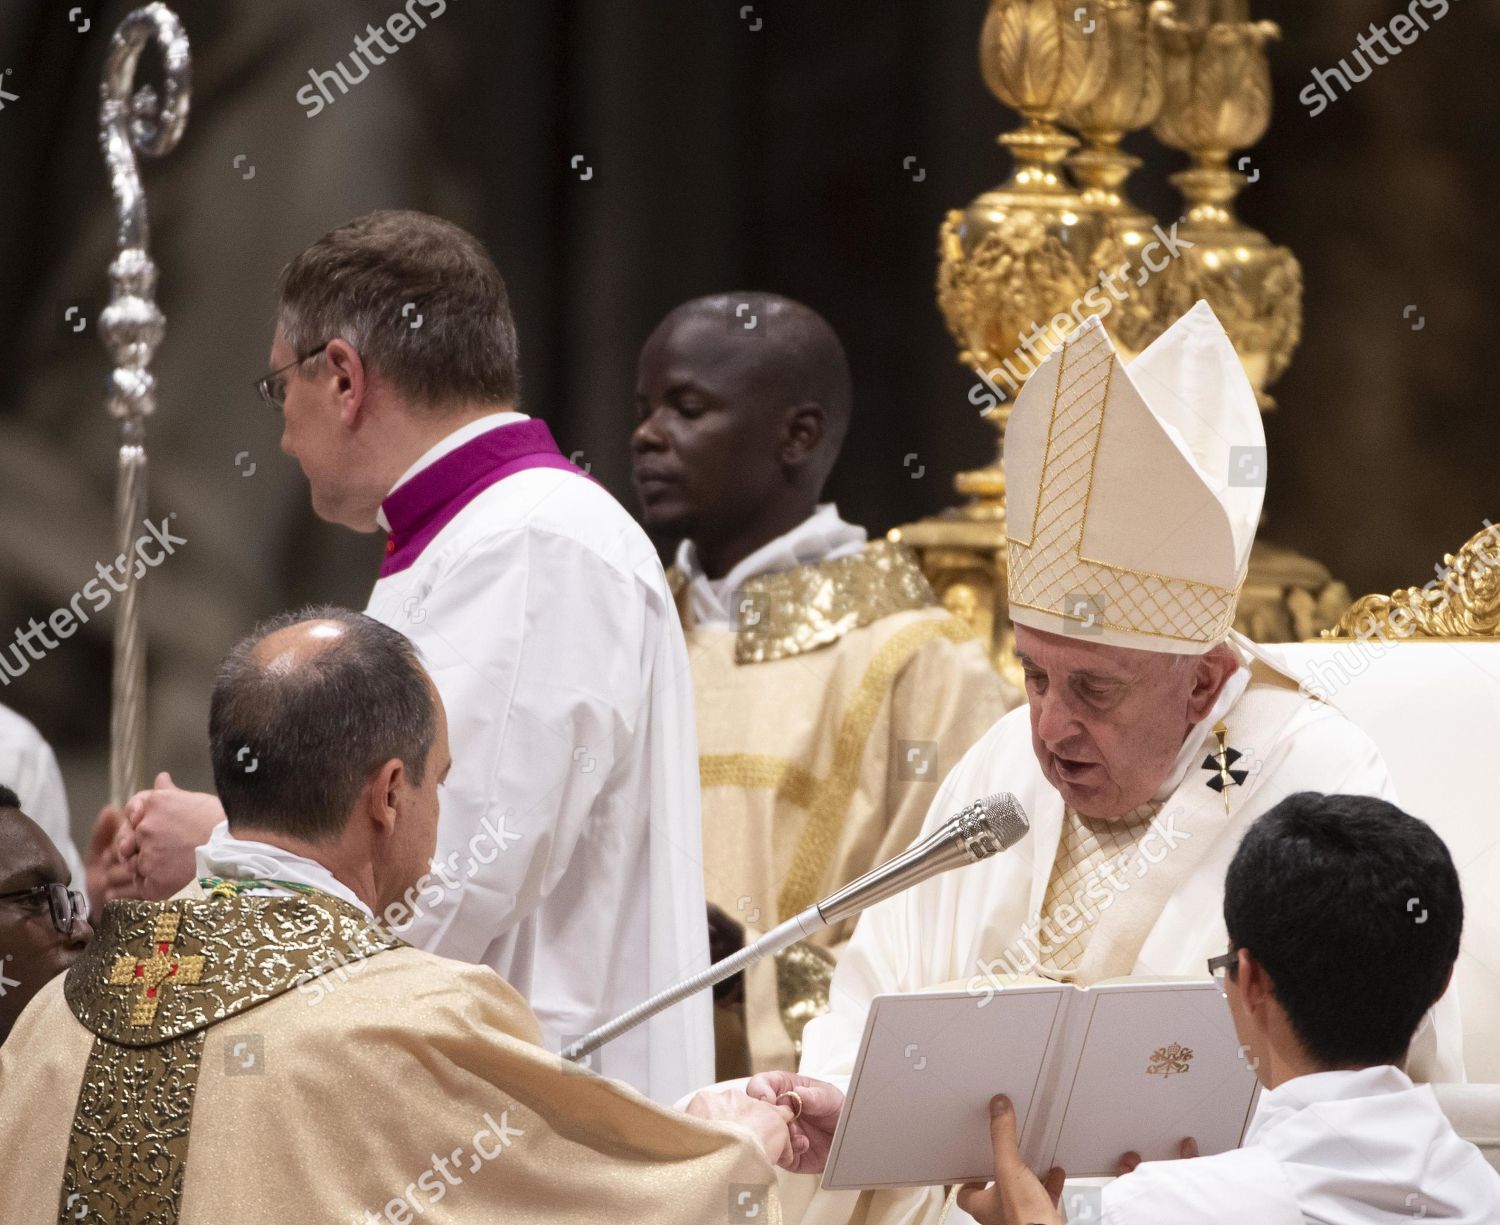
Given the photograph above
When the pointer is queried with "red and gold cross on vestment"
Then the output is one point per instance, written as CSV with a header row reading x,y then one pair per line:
x,y
162,967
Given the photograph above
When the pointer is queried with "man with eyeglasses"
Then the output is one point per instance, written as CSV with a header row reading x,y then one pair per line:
x,y
29,767
1327,978
43,923
570,845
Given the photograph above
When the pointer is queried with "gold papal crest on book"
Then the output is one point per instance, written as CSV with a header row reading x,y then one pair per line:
x,y
1168,1059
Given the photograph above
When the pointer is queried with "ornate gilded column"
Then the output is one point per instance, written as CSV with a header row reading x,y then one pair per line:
x,y
1130,99
1016,262
1009,264
1217,84
1020,254
1218,99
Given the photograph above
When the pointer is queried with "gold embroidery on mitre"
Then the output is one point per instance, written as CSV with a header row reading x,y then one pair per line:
x,y
808,607
1049,572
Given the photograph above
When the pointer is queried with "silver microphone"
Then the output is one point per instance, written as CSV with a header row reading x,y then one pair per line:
x,y
986,827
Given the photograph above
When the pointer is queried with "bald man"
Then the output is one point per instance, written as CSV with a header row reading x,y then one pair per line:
x,y
263,1042
832,692
43,922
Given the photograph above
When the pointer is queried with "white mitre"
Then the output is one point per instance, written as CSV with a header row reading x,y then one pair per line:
x,y
1133,492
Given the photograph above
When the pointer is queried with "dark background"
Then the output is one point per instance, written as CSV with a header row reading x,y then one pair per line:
x,y
723,156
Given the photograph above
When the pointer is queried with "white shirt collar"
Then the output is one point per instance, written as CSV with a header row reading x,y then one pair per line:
x,y
447,445
1300,1092
822,536
235,859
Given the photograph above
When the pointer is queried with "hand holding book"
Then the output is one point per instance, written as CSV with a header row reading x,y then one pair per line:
x,y
1017,1196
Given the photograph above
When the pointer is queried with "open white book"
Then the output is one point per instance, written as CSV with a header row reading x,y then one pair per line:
x,y
1128,1064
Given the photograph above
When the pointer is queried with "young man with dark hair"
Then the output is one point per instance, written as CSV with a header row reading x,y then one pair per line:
x,y
569,845
1344,917
43,921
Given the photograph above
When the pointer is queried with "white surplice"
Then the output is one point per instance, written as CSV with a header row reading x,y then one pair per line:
x,y
1365,1147
29,768
571,817
1167,921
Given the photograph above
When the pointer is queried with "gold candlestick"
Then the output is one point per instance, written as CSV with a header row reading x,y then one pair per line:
x,y
1207,12
1023,252
1218,99
1131,99
1019,255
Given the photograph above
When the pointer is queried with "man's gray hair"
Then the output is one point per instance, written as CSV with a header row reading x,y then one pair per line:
x,y
418,297
293,745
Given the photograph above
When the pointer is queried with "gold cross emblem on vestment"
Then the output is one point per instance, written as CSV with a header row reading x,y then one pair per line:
x,y
161,967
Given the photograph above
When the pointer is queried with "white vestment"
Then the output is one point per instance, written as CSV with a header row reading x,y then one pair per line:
x,y
29,768
1335,1148
570,821
1166,918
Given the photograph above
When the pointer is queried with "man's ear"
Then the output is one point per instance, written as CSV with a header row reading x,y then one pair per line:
x,y
805,428
1256,987
382,795
344,366
1210,671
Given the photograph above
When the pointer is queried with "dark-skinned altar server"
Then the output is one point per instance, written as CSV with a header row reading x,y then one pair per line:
x,y
833,690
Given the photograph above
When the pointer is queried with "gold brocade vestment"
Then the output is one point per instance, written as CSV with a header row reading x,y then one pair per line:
x,y
264,1059
825,722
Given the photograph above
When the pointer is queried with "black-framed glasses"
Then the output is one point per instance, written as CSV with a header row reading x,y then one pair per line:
x,y
67,906
1226,962
272,387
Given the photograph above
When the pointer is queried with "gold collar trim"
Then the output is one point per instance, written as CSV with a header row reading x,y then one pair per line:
x,y
802,609
158,970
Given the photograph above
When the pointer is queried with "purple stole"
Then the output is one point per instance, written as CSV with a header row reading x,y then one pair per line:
x,y
418,510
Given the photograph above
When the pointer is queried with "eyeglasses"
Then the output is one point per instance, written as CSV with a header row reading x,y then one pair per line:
x,y
68,906
1226,962
272,388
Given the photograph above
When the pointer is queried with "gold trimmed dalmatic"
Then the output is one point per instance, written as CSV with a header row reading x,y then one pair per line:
x,y
825,721
260,1060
